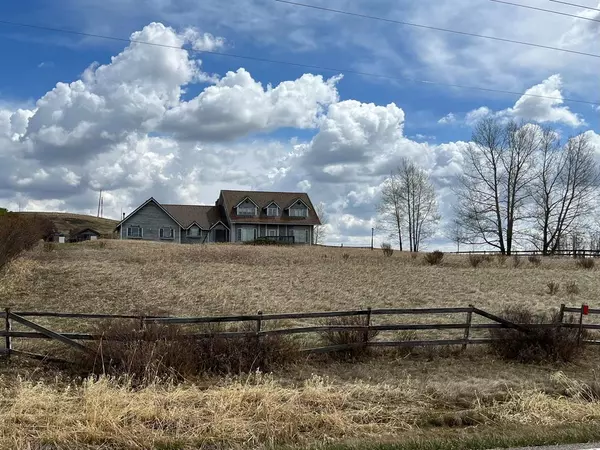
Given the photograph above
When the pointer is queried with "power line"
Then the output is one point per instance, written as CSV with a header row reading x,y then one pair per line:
x,y
574,4
306,66
429,27
545,10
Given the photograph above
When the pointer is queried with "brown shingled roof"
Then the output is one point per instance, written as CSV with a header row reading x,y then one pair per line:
x,y
263,199
205,216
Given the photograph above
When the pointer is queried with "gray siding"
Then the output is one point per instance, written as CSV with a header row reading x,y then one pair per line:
x,y
201,239
151,218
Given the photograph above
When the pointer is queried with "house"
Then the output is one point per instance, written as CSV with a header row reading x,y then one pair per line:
x,y
87,234
236,216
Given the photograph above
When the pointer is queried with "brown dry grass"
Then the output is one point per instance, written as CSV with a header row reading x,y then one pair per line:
x,y
312,402
130,277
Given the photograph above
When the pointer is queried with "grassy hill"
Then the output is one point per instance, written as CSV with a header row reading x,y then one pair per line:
x,y
68,223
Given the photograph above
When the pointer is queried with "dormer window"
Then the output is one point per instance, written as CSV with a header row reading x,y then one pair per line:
x,y
299,212
246,208
246,211
273,210
298,209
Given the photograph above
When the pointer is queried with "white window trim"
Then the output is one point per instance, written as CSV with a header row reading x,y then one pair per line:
x,y
194,235
271,208
296,212
239,208
161,233
138,236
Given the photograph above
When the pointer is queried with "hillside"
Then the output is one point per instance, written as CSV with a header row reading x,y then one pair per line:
x,y
68,222
428,395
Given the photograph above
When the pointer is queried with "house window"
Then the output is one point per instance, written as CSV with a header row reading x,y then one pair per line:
x,y
298,212
272,232
300,236
166,233
194,231
135,231
246,234
246,211
272,211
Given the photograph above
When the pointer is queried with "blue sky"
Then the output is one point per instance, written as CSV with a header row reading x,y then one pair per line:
x,y
183,153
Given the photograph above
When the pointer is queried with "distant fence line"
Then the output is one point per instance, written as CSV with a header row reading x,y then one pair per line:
x,y
576,253
467,326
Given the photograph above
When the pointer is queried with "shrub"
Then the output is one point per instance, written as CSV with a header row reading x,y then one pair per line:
x,y
475,260
538,344
266,241
355,338
387,249
20,232
585,263
414,255
516,261
501,259
572,288
535,260
346,256
434,258
553,288
171,350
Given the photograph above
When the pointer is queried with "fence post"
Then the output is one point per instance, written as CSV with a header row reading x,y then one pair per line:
x,y
258,327
580,333
561,314
142,323
468,327
8,328
368,324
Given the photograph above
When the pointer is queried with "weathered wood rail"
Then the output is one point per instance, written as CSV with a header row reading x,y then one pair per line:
x,y
75,339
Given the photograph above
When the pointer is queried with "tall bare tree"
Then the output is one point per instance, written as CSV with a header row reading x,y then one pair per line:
x,y
419,202
564,190
391,213
320,231
408,206
492,192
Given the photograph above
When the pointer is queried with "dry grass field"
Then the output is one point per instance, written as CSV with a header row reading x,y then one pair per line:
x,y
434,398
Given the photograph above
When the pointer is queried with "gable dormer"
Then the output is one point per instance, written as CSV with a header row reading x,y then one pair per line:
x,y
273,209
298,209
246,208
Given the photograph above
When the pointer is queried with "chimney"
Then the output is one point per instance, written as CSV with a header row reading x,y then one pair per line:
x,y
123,215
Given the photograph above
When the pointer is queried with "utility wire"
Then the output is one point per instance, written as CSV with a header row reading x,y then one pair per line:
x,y
574,4
429,27
545,10
304,66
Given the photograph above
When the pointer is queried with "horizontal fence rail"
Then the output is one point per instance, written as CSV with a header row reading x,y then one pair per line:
x,y
572,253
139,324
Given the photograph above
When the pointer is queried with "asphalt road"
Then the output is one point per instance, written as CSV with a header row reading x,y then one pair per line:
x,y
564,447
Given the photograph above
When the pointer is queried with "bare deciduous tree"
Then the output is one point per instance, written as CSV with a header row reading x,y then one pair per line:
x,y
408,205
456,233
492,192
391,215
564,189
419,203
320,231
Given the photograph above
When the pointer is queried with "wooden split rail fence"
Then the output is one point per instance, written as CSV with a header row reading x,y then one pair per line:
x,y
467,325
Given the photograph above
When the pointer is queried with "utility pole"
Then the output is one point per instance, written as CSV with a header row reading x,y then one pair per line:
x,y
372,237
99,203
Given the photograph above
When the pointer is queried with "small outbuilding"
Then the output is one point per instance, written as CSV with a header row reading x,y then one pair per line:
x,y
87,234
57,237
